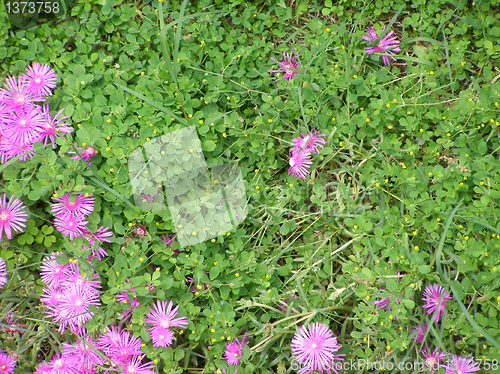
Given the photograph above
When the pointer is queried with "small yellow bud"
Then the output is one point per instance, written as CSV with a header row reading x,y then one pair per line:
x,y
141,259
237,275
431,73
104,60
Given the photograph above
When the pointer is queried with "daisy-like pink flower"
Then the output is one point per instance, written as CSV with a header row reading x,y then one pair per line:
x,y
126,347
52,273
110,338
162,337
62,364
436,297
310,141
24,127
39,79
70,225
85,351
76,277
387,46
299,163
3,272
288,66
17,96
12,216
421,332
7,363
314,347
86,154
51,296
433,359
148,198
234,350
163,316
134,366
458,365
52,126
76,301
82,205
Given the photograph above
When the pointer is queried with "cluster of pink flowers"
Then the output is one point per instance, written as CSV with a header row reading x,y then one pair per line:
x,y
386,46
69,293
300,155
22,121
70,221
116,348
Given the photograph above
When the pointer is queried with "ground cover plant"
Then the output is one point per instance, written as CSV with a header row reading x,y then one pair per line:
x,y
367,137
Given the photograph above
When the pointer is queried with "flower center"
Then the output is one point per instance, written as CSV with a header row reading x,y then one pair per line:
x,y
23,123
165,323
292,162
314,345
79,302
4,216
59,363
131,370
38,81
306,140
19,99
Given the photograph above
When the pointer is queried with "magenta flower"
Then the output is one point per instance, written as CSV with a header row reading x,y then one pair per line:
x,y
126,347
10,150
82,205
52,273
70,225
139,230
12,216
433,359
96,237
288,66
75,277
63,364
76,301
169,241
24,127
39,79
163,316
314,347
124,298
86,154
387,46
162,337
51,296
16,95
310,141
134,366
52,126
7,363
234,350
436,297
421,332
148,198
299,163
110,339
3,272
459,365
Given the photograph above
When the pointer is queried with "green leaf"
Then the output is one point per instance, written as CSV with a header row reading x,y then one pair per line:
x,y
208,145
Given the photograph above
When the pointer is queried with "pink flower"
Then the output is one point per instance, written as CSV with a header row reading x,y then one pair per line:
x,y
7,363
387,45
314,347
169,241
310,141
63,364
85,353
287,66
76,301
299,163
12,216
436,297
82,205
234,350
25,126
163,316
162,337
10,150
39,79
126,347
432,359
52,273
459,365
70,225
86,154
